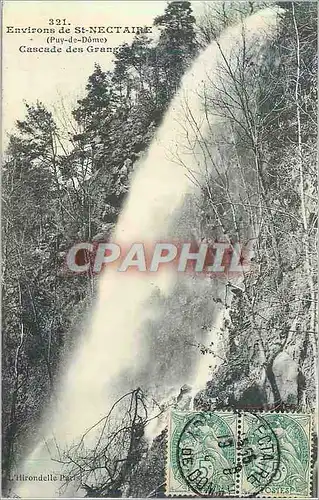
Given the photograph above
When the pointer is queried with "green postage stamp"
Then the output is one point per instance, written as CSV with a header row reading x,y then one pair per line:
x,y
239,454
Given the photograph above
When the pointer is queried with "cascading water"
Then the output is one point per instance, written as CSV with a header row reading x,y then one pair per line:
x,y
126,345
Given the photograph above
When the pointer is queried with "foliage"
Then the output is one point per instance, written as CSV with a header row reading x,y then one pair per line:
x,y
63,185
57,191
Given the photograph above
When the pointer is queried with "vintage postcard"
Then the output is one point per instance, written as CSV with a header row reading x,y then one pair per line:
x,y
159,229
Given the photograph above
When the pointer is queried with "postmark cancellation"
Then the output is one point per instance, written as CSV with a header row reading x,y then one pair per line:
x,y
239,454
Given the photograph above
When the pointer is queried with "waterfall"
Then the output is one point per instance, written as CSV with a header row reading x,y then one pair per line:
x,y
130,341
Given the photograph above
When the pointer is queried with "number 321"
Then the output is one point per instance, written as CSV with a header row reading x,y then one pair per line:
x,y
57,22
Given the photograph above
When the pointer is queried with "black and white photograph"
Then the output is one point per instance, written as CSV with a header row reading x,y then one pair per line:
x,y
159,249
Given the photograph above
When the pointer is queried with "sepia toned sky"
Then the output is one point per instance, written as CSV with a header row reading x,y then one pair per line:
x,y
56,77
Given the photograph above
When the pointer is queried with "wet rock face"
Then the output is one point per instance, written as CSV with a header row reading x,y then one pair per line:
x,y
286,374
253,397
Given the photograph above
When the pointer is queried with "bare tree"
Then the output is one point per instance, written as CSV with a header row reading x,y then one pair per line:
x,y
108,453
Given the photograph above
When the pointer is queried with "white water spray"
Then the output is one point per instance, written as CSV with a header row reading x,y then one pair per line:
x,y
125,347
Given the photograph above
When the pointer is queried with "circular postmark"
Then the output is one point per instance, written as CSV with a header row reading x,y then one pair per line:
x,y
261,454
227,454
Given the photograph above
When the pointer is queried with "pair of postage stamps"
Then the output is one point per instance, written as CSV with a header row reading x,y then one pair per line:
x,y
239,454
